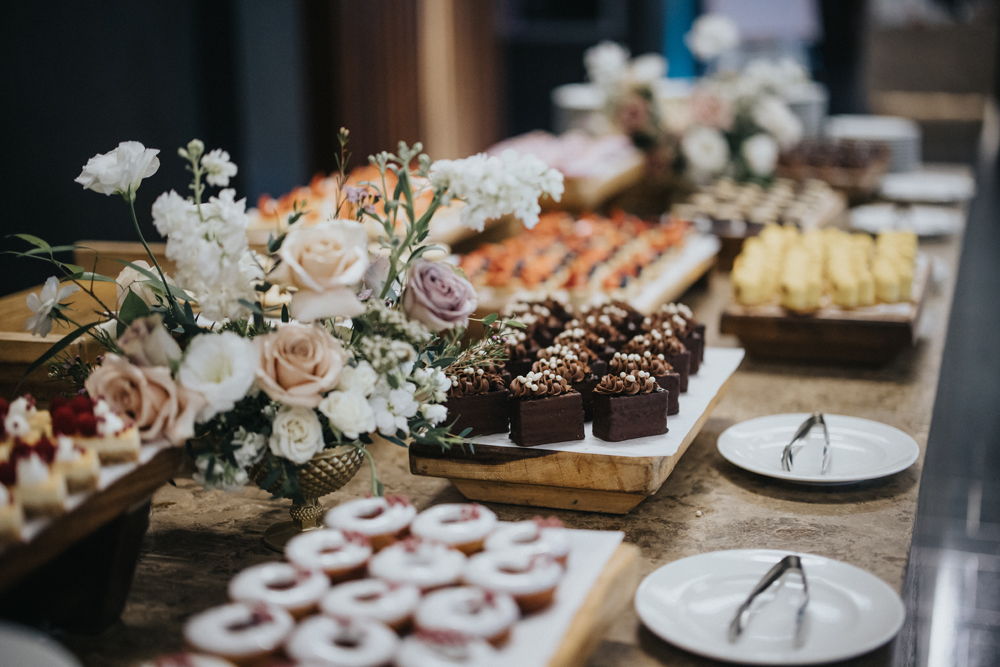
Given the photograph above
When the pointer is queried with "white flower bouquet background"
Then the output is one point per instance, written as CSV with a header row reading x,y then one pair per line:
x,y
256,391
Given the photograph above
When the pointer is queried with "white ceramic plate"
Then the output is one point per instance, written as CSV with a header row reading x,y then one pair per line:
x,y
921,220
23,646
928,186
691,602
861,449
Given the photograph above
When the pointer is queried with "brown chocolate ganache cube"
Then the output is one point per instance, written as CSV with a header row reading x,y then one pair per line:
x,y
628,406
544,408
657,366
477,399
576,372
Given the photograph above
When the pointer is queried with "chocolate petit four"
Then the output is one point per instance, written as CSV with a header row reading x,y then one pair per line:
x,y
477,399
590,339
629,406
663,341
544,408
521,353
578,374
656,366
580,351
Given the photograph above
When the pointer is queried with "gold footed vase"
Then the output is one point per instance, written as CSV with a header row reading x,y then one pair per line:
x,y
325,473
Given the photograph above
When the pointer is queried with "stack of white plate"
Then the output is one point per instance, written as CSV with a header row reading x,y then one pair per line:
x,y
809,101
901,135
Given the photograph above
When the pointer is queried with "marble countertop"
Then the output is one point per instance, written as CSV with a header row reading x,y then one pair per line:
x,y
199,539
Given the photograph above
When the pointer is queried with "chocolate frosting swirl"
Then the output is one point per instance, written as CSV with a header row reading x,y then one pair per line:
x,y
520,346
654,364
627,384
656,343
473,381
570,367
539,385
583,353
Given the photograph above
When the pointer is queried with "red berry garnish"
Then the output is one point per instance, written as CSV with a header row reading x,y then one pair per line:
x,y
58,402
8,473
82,405
20,450
45,450
64,421
86,424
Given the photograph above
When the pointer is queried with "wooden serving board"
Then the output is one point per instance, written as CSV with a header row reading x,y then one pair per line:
x,y
872,334
47,538
588,475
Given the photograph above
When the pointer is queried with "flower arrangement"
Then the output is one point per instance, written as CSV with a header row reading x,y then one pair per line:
x,y
204,359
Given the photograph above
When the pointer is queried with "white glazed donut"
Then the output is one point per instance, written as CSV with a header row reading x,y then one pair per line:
x,y
383,520
342,642
340,555
531,578
461,525
392,604
187,660
426,565
539,535
471,611
296,590
445,649
239,631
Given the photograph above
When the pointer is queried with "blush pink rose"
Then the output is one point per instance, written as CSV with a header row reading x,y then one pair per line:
x,y
438,297
299,363
324,263
149,396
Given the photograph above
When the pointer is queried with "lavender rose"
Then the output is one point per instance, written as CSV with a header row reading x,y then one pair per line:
x,y
438,297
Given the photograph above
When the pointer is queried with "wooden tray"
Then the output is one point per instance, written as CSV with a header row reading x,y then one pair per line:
x,y
872,334
588,475
126,485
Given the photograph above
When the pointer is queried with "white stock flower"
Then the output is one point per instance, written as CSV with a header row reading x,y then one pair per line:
x,y
607,64
121,170
218,168
221,367
296,434
40,324
776,77
496,186
647,68
774,117
392,407
360,379
211,252
706,150
434,413
433,384
251,447
761,154
711,36
349,412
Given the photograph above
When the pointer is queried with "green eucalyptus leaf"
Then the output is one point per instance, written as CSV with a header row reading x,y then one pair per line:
x,y
490,319
33,240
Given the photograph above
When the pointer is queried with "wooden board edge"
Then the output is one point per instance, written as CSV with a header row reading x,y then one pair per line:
x,y
552,497
97,510
612,592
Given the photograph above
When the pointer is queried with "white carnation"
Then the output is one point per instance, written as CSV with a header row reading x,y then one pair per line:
x,y
434,413
392,407
706,151
220,366
607,64
360,379
296,434
120,171
349,412
496,186
251,447
761,154
774,117
712,35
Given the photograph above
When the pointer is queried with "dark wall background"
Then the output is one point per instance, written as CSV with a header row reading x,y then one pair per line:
x,y
77,78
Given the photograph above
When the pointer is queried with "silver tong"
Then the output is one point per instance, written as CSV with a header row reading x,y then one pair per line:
x,y
800,434
782,567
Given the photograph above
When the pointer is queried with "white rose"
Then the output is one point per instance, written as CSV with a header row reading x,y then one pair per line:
x,y
146,342
647,68
130,279
296,434
349,412
120,171
606,64
221,367
761,154
434,413
712,35
774,117
360,379
706,150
